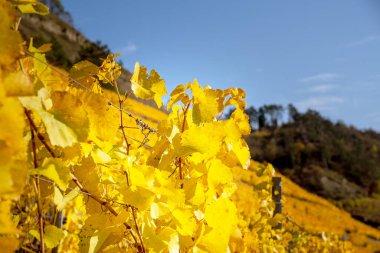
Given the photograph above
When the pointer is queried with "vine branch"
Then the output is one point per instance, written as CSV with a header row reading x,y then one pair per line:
x,y
37,187
133,211
182,130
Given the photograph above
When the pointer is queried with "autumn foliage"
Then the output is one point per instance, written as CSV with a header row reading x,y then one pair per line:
x,y
82,171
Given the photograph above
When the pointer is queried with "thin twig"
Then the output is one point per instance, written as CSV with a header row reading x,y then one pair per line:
x,y
182,130
37,189
137,228
39,136
134,217
101,202
122,125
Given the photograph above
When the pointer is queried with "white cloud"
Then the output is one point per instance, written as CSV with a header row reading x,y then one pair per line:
x,y
320,77
363,41
128,49
321,88
323,103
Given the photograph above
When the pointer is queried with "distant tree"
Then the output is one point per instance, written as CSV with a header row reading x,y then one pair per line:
x,y
273,113
93,52
261,118
57,56
293,113
253,116
56,7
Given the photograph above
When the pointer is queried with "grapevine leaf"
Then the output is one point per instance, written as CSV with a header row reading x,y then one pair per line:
x,y
185,223
52,236
32,6
221,218
59,133
205,106
178,94
6,224
235,145
84,72
218,173
110,70
139,197
242,121
11,134
148,87
61,200
160,240
10,40
18,84
202,140
194,191
75,118
35,234
54,169
8,244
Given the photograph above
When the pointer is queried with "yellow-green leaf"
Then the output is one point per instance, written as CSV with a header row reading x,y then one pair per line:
x,y
148,87
55,170
31,6
52,236
59,133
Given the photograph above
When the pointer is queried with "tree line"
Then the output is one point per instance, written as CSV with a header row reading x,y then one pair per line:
x,y
270,115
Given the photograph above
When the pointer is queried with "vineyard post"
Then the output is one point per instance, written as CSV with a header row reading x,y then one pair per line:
x,y
276,197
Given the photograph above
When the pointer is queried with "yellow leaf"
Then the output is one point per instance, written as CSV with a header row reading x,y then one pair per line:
x,y
204,140
84,72
110,70
68,109
93,242
222,221
148,87
60,201
194,191
18,84
104,121
163,240
55,170
10,40
52,236
235,144
31,6
59,133
11,134
185,222
42,49
139,197
237,98
100,157
8,244
242,121
218,173
6,224
178,94
86,173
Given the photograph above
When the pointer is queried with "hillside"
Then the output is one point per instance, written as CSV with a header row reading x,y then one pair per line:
x,y
335,161
305,211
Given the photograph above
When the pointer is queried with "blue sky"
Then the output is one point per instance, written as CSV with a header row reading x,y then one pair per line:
x,y
323,55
